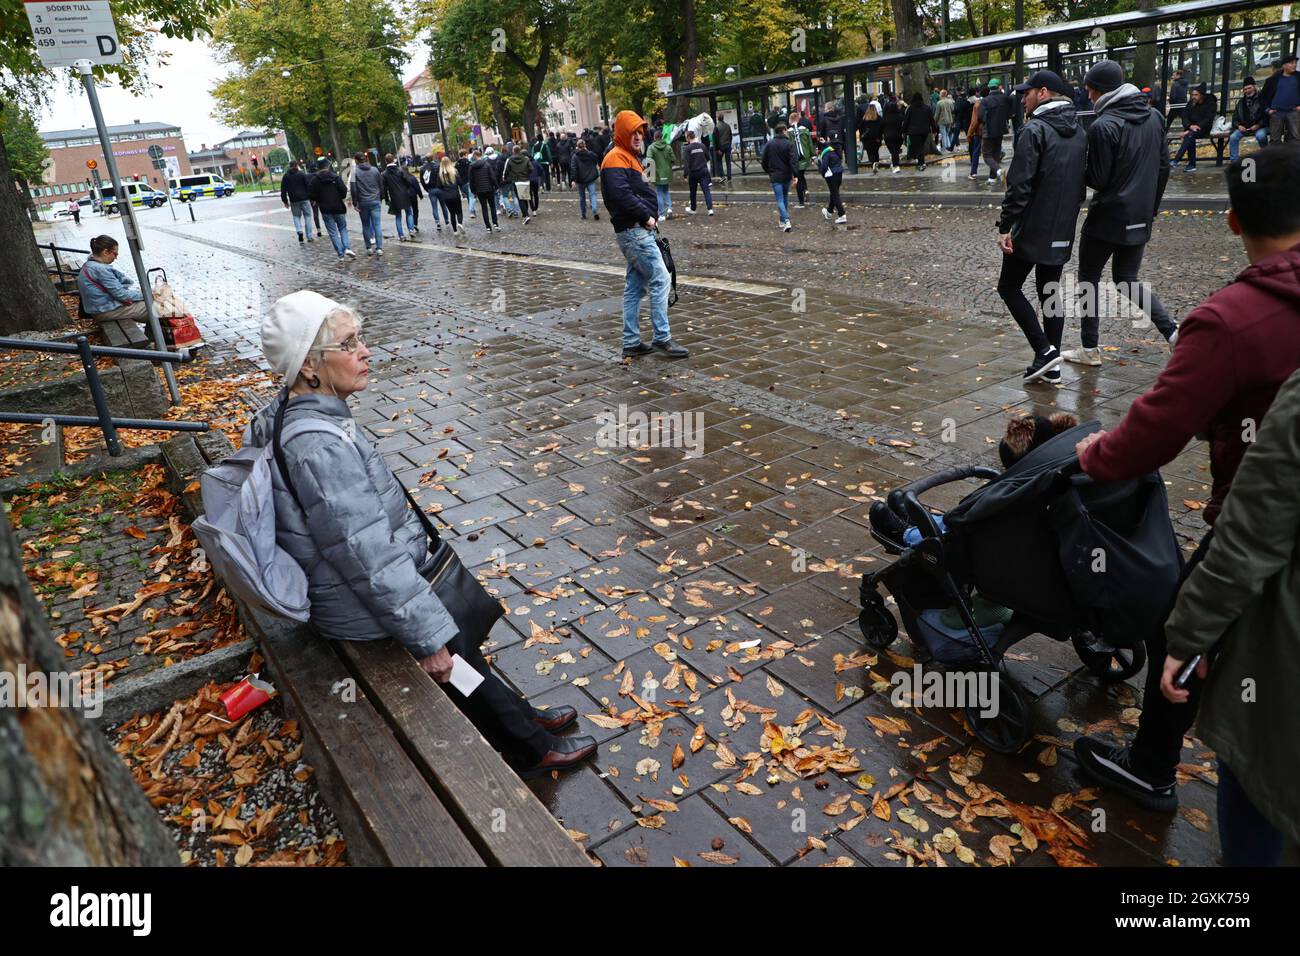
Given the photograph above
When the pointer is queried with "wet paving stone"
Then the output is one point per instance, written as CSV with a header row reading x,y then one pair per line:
x,y
685,835
533,670
801,612
782,817
582,802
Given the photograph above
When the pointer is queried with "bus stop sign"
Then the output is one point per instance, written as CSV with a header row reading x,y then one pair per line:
x,y
67,32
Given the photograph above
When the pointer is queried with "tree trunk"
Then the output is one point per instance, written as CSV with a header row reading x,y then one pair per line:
x,y
907,24
499,115
1144,57
30,303
313,134
66,799
363,130
681,57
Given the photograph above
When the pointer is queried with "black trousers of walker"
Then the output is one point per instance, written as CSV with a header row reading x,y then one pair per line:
x,y
834,203
487,202
1047,280
801,185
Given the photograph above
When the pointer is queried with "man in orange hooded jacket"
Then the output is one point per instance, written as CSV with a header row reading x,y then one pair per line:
x,y
632,208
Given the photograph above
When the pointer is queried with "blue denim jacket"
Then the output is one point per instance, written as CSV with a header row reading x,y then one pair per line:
x,y
117,288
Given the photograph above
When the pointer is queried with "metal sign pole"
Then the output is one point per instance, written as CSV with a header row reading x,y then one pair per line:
x,y
129,224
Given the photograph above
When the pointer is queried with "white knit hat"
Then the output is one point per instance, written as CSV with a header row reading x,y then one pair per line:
x,y
290,329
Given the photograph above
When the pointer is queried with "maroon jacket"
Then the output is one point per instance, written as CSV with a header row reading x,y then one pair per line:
x,y
1234,351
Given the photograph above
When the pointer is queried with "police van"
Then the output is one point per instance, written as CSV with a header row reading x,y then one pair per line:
x,y
186,188
140,194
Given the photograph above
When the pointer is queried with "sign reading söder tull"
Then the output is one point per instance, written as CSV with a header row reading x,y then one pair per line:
x,y
79,30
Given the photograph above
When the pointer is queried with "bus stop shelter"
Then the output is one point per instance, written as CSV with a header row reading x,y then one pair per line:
x,y
1218,59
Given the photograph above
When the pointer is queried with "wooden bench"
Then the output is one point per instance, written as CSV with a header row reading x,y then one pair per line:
x,y
1218,140
126,334
411,780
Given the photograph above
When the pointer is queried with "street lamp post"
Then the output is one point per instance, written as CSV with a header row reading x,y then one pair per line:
x,y
615,69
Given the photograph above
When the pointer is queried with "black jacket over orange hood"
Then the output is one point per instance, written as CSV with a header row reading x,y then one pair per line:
x,y
628,197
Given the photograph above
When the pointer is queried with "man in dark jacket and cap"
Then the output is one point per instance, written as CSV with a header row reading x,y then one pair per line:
x,y
1248,119
994,114
1128,166
294,195
1234,352
1045,188
781,163
1281,96
1198,118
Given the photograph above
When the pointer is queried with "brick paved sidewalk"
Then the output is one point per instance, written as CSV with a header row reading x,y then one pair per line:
x,y
656,572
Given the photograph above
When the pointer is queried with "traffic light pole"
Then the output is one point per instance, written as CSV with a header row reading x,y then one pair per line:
x,y
129,224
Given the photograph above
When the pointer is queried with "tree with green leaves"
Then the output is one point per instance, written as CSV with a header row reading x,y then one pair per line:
x,y
27,151
495,45
343,61
31,303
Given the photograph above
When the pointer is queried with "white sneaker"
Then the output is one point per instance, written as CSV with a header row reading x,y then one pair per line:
x,y
1082,356
690,211
668,214
842,220
827,214
897,169
1173,339
379,252
710,212
785,226
349,253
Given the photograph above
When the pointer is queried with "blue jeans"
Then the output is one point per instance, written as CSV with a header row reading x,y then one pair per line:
x,y
336,224
587,197
439,210
782,191
409,213
976,142
701,181
508,201
646,272
1246,837
302,217
1234,142
467,196
665,200
372,228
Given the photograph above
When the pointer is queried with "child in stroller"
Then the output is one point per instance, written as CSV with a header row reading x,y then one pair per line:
x,y
1039,548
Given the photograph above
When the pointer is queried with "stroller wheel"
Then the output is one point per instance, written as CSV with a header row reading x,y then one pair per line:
x,y
1009,730
1111,664
878,626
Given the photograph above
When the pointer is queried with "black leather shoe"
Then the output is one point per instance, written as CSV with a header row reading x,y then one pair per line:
x,y
567,752
556,718
670,349
641,348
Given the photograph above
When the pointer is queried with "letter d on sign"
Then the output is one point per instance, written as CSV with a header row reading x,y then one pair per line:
x,y
107,44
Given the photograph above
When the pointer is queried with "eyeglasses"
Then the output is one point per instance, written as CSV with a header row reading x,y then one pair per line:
x,y
349,345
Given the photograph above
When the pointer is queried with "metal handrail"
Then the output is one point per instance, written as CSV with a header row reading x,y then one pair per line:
x,y
58,266
107,423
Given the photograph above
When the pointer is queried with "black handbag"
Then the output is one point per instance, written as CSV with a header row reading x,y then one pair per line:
x,y
466,600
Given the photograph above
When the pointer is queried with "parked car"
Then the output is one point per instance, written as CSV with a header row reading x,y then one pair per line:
x,y
139,194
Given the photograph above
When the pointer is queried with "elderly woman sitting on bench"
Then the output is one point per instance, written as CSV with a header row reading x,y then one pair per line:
x,y
107,293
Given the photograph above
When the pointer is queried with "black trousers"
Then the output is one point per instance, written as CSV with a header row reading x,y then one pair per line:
x,y
454,211
1125,263
315,212
721,160
488,203
1010,288
801,185
501,715
534,197
1159,740
872,148
561,173
895,147
834,203
916,148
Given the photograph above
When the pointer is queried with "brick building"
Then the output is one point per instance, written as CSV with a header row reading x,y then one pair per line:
x,y
243,146
70,148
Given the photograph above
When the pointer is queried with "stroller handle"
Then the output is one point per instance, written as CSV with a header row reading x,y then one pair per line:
x,y
947,476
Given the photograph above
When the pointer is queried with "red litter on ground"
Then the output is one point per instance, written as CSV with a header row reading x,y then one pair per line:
x,y
249,694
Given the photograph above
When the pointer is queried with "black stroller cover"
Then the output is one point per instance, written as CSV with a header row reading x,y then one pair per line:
x,y
1051,543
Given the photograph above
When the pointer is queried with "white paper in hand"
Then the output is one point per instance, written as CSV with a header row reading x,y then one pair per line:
x,y
463,677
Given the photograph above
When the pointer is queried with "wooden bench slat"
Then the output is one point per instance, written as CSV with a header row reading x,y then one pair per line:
x,y
379,795
504,819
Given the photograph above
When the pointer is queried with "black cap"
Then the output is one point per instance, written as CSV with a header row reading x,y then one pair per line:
x,y
1248,81
1044,78
322,162
1105,76
1288,59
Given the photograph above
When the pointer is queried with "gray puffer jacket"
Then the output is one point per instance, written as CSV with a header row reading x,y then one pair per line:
x,y
362,547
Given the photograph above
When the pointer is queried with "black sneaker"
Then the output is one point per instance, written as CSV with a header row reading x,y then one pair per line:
x,y
1053,377
641,348
1113,767
1043,364
670,349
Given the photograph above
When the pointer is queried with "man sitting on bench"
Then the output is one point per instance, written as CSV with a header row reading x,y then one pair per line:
x,y
107,293
1199,119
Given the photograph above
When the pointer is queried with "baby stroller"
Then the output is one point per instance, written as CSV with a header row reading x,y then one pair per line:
x,y
1041,548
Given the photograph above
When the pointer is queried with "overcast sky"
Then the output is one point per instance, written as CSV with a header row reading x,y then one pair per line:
x,y
179,95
